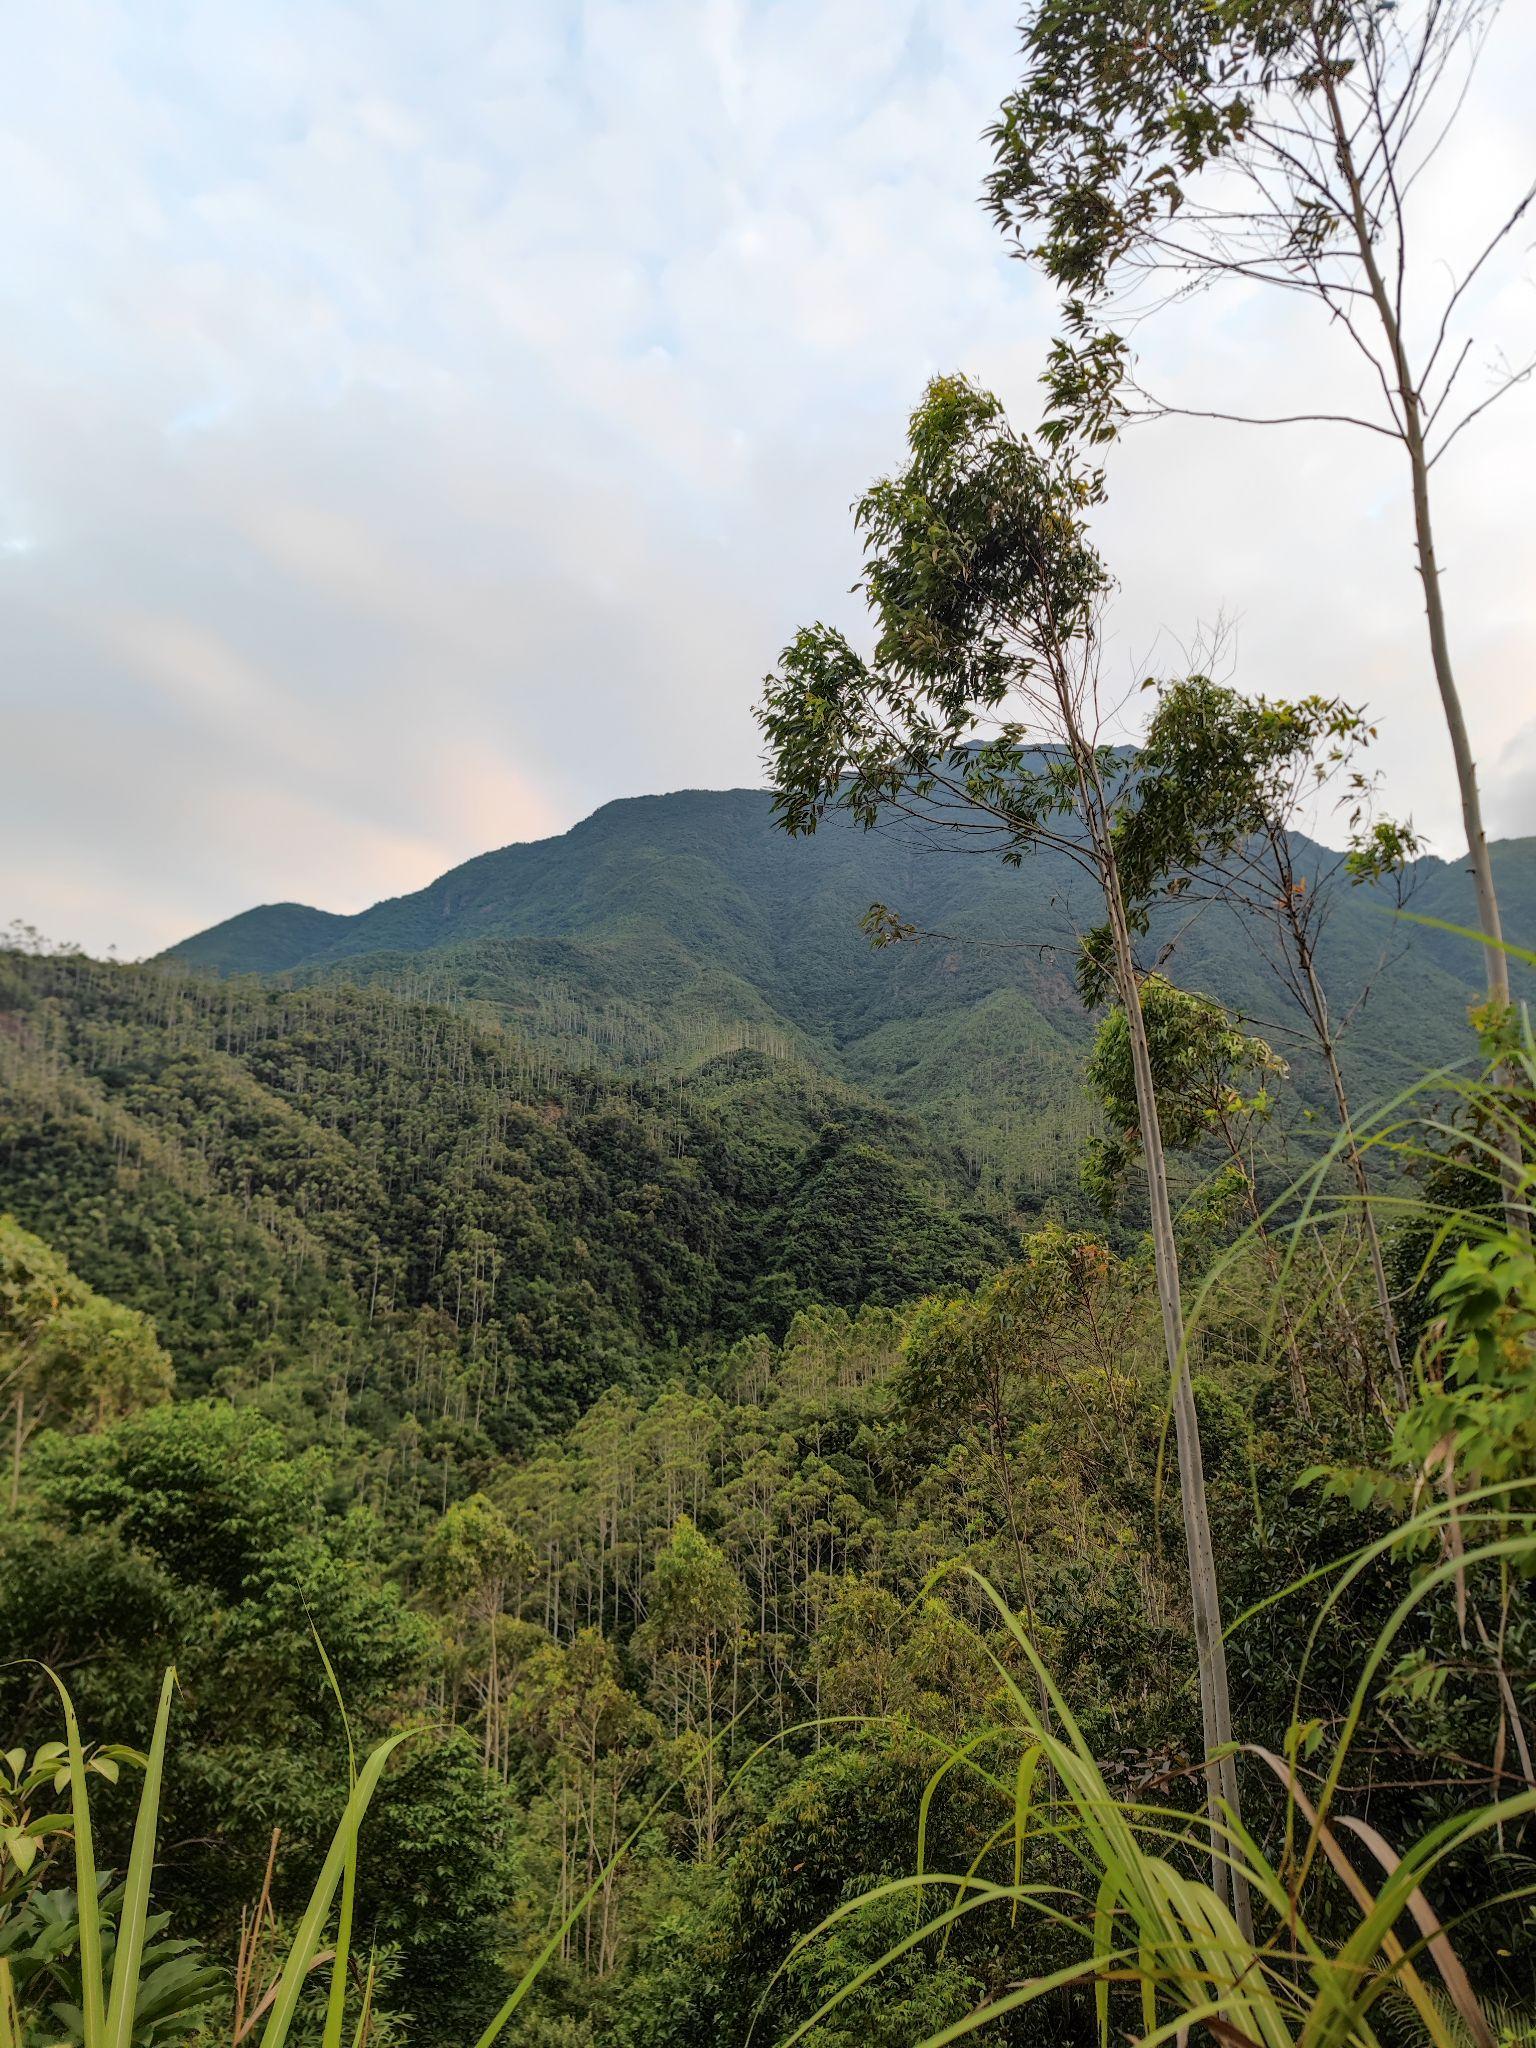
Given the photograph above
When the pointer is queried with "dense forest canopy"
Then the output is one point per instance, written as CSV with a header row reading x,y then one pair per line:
x,y
240,1160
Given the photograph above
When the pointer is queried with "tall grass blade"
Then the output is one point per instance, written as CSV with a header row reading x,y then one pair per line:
x,y
365,2017
92,2001
10,2018
972,1894
1462,931
336,1998
1447,1962
1011,2001
1166,1935
306,1941
134,1912
335,2006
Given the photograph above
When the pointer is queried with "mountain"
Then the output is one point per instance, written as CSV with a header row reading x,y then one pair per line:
x,y
619,1096
664,930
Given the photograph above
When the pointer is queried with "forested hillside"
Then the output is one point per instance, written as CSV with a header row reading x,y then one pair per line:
x,y
704,1612
272,1172
664,928
612,1423
673,1365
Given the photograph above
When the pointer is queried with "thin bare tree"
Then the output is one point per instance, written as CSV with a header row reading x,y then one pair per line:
x,y
1155,146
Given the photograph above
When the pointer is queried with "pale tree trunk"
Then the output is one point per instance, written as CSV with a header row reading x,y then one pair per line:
x,y
493,1703
1204,1594
26,1427
1495,958
1323,1028
17,1441
1412,429
706,1826
1299,1389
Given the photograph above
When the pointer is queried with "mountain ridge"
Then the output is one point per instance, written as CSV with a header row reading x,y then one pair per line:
x,y
662,930
283,931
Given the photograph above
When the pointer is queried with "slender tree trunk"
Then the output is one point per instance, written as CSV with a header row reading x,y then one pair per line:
x,y
1324,1030
492,1744
1495,959
17,1441
1204,1594
1299,1390
1412,429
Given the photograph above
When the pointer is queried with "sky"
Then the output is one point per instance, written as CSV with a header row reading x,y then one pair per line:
x,y
421,424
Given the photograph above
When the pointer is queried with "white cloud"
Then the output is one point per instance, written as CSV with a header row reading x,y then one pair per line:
x,y
419,425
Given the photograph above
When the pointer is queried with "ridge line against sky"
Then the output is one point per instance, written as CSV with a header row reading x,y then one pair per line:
x,y
419,427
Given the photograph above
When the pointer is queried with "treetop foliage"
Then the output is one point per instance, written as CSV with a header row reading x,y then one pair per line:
x,y
977,567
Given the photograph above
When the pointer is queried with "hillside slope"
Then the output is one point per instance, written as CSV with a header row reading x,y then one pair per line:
x,y
275,1173
664,930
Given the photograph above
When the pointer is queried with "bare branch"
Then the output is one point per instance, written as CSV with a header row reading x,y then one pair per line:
x,y
1158,409
1514,378
1500,234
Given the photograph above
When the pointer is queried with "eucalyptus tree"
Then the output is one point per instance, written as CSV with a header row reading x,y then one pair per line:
x,y
476,1562
1213,1080
977,718
692,1639
1168,144
1211,811
595,1742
